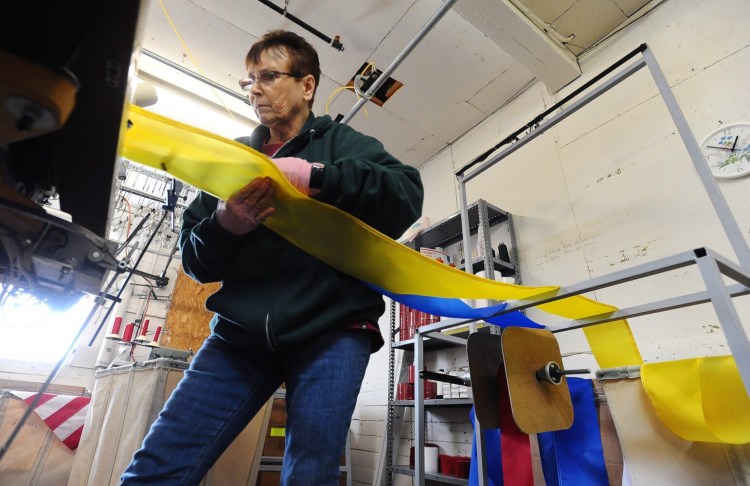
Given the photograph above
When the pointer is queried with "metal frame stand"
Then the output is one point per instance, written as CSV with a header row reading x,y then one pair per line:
x,y
712,266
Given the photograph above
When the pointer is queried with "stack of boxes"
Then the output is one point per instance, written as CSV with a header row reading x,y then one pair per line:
x,y
452,390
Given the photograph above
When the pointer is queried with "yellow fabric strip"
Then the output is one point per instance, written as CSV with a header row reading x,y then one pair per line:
x,y
221,167
710,404
700,399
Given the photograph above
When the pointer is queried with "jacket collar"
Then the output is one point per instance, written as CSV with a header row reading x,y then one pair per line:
x,y
262,133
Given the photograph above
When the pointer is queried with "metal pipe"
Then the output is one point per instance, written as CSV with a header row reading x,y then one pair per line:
x,y
129,275
535,121
407,50
464,379
147,195
419,415
728,222
196,76
466,238
132,235
335,42
536,131
729,319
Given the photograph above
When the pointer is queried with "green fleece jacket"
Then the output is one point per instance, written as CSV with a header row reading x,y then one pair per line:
x,y
272,290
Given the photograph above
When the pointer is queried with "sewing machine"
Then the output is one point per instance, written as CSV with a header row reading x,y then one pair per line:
x,y
63,87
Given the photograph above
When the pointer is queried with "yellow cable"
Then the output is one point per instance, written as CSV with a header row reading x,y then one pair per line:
x,y
192,58
369,65
341,88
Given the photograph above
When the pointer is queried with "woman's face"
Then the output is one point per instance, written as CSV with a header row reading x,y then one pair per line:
x,y
279,102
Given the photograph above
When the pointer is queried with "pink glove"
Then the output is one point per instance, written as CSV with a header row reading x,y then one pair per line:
x,y
297,171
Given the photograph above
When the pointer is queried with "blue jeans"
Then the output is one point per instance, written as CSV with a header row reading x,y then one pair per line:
x,y
225,387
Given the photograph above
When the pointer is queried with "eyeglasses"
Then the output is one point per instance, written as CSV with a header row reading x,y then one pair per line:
x,y
266,78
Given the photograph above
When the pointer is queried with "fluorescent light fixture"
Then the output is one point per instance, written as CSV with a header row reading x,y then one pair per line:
x,y
193,101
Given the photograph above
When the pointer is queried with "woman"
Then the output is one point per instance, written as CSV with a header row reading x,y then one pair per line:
x,y
281,315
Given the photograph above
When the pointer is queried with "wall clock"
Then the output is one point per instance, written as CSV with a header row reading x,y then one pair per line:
x,y
727,150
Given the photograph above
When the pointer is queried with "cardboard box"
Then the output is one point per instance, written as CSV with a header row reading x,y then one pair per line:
x,y
36,456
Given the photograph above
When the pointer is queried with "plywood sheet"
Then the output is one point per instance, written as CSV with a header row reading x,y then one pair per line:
x,y
186,325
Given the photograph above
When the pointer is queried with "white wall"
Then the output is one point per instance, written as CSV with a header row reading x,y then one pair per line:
x,y
613,186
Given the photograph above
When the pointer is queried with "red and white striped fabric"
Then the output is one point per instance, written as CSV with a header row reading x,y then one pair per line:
x,y
63,414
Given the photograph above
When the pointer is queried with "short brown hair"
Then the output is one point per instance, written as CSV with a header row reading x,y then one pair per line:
x,y
303,56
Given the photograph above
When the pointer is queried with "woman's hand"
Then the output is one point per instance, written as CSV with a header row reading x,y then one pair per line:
x,y
247,208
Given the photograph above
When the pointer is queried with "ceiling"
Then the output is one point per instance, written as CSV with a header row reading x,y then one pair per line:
x,y
476,58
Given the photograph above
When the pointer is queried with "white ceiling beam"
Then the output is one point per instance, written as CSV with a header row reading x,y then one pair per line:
x,y
502,22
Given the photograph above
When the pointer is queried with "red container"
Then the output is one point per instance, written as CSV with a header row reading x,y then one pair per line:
x,y
406,324
462,466
430,390
400,391
447,465
412,373
422,319
405,391
401,319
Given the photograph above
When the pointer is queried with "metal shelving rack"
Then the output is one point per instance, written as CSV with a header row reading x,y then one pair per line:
x,y
443,233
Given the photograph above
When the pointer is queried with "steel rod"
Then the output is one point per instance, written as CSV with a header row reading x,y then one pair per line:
x,y
419,416
673,303
283,11
194,75
729,223
560,104
736,336
129,275
536,132
395,64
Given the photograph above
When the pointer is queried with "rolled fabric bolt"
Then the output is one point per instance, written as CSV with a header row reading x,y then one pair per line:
x,y
431,459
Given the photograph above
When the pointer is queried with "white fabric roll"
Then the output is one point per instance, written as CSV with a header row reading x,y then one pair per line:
x,y
431,459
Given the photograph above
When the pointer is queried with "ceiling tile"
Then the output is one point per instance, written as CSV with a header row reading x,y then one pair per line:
x,y
506,86
361,26
589,20
204,34
520,37
546,10
629,7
